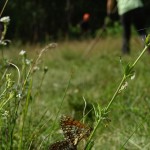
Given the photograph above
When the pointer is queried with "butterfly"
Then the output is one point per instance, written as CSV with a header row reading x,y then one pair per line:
x,y
74,131
62,145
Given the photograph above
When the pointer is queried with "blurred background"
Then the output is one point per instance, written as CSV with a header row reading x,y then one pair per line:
x,y
39,20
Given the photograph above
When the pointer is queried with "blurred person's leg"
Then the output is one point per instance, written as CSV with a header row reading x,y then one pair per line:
x,y
138,20
126,24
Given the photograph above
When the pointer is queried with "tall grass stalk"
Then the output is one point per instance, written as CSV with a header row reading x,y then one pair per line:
x,y
25,111
36,62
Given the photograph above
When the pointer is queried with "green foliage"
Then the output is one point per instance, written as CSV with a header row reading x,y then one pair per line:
x,y
17,128
32,99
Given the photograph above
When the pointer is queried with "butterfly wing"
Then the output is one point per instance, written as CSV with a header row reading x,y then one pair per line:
x,y
62,145
74,130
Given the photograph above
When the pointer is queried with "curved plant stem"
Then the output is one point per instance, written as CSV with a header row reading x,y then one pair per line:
x,y
116,93
141,54
124,78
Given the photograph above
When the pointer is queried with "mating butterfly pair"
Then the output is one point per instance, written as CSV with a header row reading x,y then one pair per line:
x,y
74,131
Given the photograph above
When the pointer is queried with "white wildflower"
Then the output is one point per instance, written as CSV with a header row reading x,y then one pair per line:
x,y
18,95
28,61
22,52
132,77
36,68
5,19
3,42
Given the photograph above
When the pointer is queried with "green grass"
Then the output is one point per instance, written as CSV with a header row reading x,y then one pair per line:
x,y
95,78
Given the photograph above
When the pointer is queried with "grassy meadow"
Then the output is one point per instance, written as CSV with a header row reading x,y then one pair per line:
x,y
61,81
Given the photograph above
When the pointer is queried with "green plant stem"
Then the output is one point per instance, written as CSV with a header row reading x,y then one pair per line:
x,y
2,94
116,93
124,78
35,64
25,111
108,106
141,54
3,103
92,134
13,125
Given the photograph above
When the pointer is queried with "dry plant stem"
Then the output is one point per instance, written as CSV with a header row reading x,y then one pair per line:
x,y
3,8
35,63
49,46
115,95
17,71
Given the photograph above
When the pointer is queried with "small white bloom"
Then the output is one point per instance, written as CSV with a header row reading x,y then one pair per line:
x,y
5,19
28,61
18,96
76,90
22,52
53,45
3,42
132,77
36,68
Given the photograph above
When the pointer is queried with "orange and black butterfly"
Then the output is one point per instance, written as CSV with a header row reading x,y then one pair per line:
x,y
62,145
74,131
